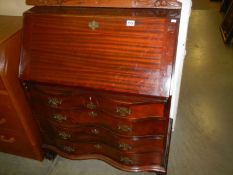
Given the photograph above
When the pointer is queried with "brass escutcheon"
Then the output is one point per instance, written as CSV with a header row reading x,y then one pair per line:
x,y
93,25
127,160
59,117
93,114
124,128
97,146
91,106
95,131
25,85
54,102
64,135
68,149
123,111
125,147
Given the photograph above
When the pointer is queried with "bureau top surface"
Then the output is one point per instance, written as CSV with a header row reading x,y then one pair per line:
x,y
105,12
9,25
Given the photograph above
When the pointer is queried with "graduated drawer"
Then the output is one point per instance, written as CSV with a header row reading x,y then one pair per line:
x,y
8,115
115,104
126,127
14,142
78,149
122,143
72,118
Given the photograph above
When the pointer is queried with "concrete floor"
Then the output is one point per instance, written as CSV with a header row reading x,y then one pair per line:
x,y
202,143
205,4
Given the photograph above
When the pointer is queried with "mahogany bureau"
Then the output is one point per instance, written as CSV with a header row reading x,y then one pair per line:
x,y
18,133
98,79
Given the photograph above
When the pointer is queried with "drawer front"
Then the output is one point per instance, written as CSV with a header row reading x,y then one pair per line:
x,y
95,134
119,105
101,50
8,115
140,127
90,117
121,157
58,101
14,142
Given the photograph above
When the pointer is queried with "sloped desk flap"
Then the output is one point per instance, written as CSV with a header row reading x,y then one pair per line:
x,y
123,50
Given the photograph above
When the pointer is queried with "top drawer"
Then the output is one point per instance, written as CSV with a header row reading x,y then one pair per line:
x,y
124,50
64,100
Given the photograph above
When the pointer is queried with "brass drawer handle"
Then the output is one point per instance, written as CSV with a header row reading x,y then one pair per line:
x,y
97,146
127,161
59,117
64,135
95,131
54,102
93,25
125,147
10,140
124,128
93,114
91,106
123,111
2,121
68,149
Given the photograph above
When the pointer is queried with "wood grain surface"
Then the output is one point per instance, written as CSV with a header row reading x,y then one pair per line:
x,y
18,131
61,48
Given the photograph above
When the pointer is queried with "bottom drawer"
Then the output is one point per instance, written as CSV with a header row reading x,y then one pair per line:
x,y
14,142
79,149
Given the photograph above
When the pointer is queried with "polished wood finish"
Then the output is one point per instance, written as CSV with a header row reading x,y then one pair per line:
x,y
116,155
105,58
99,84
118,105
135,168
2,87
71,129
18,132
125,127
172,4
7,114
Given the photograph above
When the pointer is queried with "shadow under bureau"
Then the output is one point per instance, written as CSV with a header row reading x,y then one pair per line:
x,y
98,82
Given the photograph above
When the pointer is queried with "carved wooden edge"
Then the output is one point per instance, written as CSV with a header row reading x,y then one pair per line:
x,y
149,168
168,4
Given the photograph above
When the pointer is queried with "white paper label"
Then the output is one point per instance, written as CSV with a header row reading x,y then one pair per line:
x,y
130,23
173,20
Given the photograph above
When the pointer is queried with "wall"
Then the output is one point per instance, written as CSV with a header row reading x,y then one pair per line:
x,y
13,7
